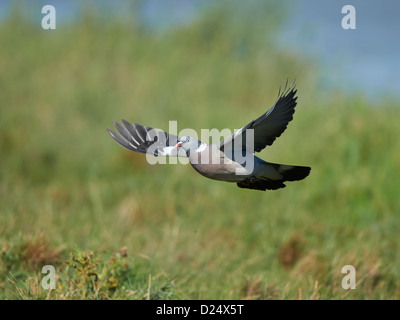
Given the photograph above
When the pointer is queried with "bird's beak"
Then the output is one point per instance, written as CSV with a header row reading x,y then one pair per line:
x,y
178,144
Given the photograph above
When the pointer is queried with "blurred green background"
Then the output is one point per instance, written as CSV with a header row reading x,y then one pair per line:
x,y
71,197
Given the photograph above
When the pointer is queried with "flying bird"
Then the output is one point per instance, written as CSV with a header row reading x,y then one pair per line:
x,y
232,159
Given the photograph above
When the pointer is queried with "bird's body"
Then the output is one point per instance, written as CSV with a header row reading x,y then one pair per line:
x,y
211,163
203,162
232,159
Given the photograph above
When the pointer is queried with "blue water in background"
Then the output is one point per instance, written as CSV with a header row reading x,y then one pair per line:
x,y
366,60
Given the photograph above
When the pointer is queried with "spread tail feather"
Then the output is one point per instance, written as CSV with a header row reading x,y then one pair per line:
x,y
288,173
293,173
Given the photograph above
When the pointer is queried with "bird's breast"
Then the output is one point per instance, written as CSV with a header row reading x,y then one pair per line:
x,y
213,164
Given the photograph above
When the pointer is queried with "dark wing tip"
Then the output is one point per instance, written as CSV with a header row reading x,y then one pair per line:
x,y
288,90
126,122
109,130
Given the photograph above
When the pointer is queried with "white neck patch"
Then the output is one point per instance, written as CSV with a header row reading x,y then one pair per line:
x,y
202,147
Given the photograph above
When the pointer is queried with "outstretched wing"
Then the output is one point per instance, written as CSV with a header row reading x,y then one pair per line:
x,y
268,127
142,139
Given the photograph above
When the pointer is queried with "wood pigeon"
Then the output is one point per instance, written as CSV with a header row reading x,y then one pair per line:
x,y
232,159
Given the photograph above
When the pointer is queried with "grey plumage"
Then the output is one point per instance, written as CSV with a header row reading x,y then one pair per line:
x,y
145,139
228,160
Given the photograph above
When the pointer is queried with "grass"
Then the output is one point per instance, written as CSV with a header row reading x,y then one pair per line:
x,y
72,198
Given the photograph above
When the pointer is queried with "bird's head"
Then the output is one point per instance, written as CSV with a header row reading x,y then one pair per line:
x,y
189,144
